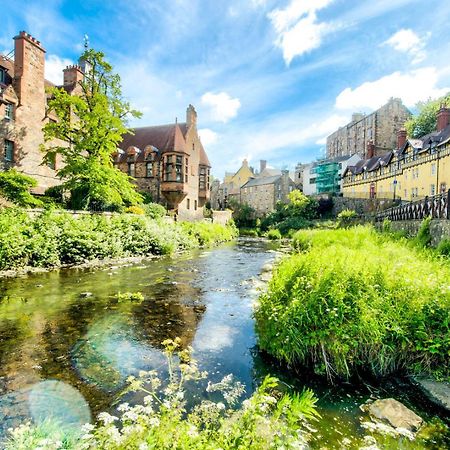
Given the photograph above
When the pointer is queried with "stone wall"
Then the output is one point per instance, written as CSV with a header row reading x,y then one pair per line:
x,y
362,206
439,228
221,217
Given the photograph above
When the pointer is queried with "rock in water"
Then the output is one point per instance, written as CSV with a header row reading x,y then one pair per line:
x,y
396,414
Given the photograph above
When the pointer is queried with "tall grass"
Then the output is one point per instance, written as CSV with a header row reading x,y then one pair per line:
x,y
354,300
51,239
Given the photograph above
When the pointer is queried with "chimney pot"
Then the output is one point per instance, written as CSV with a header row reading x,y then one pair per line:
x,y
401,138
443,117
262,165
370,149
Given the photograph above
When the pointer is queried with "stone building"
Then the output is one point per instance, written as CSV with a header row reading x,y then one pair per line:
x,y
169,163
263,192
380,127
412,170
23,109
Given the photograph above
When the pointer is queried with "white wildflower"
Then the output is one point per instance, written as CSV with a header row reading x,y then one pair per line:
x,y
106,418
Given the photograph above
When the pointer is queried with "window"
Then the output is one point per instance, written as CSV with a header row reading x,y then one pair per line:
x,y
432,189
312,181
131,169
443,188
202,179
188,203
195,205
9,150
179,169
186,169
149,169
168,168
2,76
433,169
51,161
9,110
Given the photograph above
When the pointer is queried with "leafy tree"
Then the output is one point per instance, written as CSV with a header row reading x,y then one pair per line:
x,y
91,125
15,187
425,121
244,215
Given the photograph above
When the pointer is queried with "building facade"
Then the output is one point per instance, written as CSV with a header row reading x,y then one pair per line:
x,y
415,169
380,127
170,164
263,193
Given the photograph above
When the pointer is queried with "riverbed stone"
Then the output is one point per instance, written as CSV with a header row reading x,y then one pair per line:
x,y
395,413
436,391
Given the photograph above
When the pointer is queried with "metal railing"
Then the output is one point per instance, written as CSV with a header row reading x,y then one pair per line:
x,y
436,207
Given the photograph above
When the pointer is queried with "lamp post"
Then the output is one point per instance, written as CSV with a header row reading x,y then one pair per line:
x,y
395,187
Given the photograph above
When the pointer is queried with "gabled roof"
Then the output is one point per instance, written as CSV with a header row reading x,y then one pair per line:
x,y
163,137
261,181
203,157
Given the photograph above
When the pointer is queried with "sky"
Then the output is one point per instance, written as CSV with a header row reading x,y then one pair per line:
x,y
270,79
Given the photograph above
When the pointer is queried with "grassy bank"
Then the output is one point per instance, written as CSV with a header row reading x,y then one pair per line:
x,y
51,240
354,300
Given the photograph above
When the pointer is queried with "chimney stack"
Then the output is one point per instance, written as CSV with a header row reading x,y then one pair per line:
x,y
262,165
370,149
73,75
191,116
443,117
401,138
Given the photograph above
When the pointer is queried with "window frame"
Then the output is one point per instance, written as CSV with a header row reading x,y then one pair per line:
x,y
8,148
9,111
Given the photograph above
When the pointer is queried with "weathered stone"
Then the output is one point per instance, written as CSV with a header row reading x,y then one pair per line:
x,y
437,391
395,413
86,294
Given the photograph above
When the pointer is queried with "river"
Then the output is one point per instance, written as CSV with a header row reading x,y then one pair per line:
x,y
67,345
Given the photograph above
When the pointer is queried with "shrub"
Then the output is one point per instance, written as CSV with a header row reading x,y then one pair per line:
x,y
273,235
301,241
358,301
154,210
134,209
251,232
444,247
15,187
347,218
423,238
267,419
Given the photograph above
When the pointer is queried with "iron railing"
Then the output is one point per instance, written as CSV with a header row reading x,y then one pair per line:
x,y
436,207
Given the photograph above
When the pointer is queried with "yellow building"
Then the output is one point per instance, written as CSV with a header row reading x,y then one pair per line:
x,y
416,169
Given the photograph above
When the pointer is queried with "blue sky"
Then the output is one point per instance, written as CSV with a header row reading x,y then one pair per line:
x,y
270,78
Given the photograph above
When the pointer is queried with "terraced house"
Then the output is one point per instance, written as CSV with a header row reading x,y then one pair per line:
x,y
170,164
417,168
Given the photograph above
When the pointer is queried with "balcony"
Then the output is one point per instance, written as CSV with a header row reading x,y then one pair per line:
x,y
174,192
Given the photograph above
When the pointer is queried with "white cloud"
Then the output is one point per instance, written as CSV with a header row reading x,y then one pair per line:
x,y
222,107
297,27
207,136
411,87
54,66
406,41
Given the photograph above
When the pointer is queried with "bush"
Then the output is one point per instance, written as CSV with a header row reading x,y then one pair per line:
x,y
154,210
347,218
15,187
251,232
444,247
268,419
273,235
358,301
423,238
135,210
52,239
301,241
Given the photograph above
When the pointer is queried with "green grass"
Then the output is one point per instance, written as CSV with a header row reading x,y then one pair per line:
x,y
355,300
51,239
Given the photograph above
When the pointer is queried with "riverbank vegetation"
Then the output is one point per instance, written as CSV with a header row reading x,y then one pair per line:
x,y
267,419
353,300
52,239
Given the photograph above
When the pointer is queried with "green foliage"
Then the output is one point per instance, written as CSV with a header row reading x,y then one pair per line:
x,y
301,241
91,125
425,121
267,419
154,210
444,247
356,300
273,235
251,232
130,297
423,238
295,215
244,215
15,187
347,218
52,238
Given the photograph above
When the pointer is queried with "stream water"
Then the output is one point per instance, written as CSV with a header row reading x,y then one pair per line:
x,y
67,346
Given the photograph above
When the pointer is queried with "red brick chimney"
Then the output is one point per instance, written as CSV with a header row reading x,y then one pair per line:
x,y
370,149
72,75
401,138
443,117
191,116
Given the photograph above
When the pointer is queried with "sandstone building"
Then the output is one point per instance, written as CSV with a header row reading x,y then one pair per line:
x,y
23,109
414,169
169,163
380,127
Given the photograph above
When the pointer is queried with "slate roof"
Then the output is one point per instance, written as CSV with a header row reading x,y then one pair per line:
x,y
261,181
